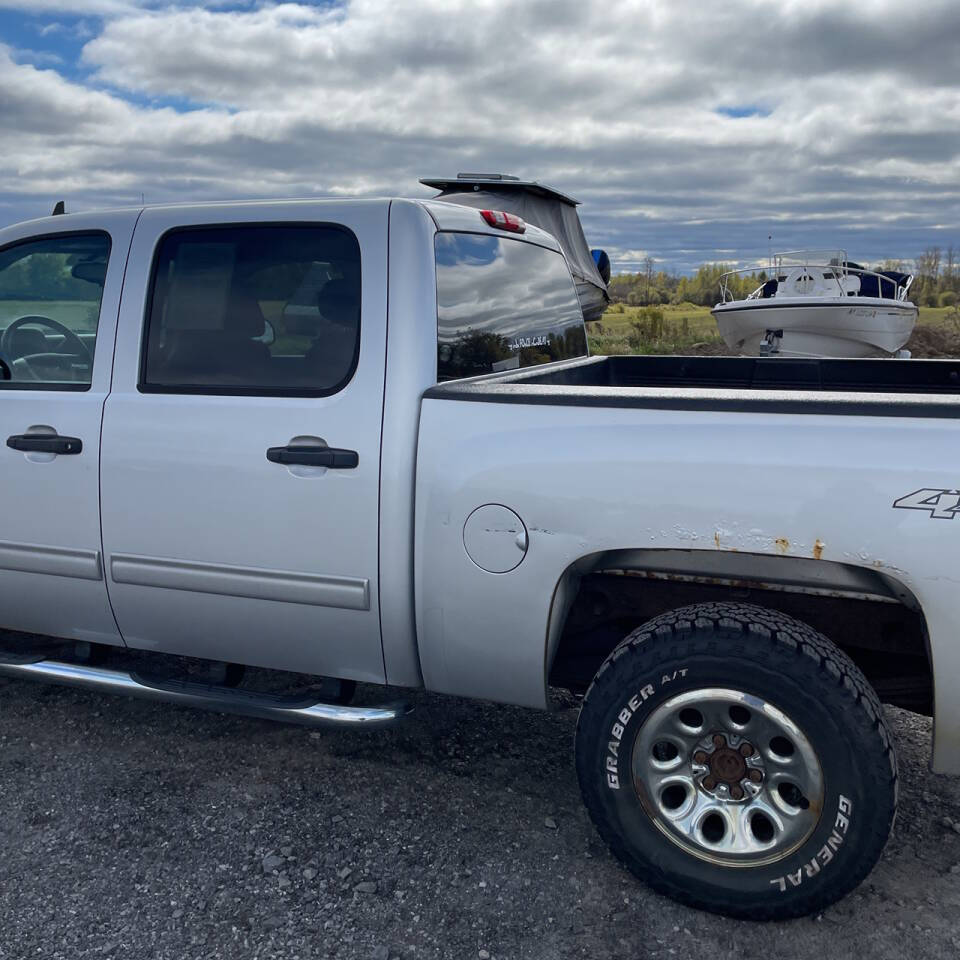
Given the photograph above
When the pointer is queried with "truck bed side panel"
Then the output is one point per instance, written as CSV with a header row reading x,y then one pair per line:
x,y
589,479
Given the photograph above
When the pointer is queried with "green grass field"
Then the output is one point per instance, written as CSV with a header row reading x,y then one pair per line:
x,y
689,329
684,328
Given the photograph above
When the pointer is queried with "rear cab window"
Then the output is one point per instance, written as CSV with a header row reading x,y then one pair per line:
x,y
503,304
253,309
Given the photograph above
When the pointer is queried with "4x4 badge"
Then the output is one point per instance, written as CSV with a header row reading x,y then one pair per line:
x,y
940,504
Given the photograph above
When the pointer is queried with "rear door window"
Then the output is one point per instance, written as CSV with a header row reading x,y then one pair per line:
x,y
270,310
503,304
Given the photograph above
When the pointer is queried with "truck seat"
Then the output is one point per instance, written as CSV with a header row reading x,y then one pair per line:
x,y
330,356
228,353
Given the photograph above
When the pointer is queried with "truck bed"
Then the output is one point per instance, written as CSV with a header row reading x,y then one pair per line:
x,y
900,388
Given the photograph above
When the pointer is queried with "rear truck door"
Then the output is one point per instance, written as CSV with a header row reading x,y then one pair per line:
x,y
60,283
242,437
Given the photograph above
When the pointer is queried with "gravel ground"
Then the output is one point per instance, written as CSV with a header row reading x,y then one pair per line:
x,y
136,830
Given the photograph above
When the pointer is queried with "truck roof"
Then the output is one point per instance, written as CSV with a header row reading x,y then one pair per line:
x,y
446,216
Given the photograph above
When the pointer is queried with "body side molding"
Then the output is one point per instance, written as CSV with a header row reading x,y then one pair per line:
x,y
351,593
54,561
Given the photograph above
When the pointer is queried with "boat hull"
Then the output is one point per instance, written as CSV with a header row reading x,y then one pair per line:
x,y
852,327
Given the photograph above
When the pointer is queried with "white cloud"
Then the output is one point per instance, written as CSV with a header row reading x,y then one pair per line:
x,y
82,30
38,57
616,103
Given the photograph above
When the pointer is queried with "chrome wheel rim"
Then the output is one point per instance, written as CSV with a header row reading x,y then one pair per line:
x,y
728,777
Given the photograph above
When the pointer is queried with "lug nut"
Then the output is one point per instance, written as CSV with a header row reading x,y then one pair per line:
x,y
709,783
699,757
755,776
736,792
719,740
746,749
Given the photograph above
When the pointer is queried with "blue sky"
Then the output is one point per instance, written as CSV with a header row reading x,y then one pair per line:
x,y
744,110
56,42
690,132
60,40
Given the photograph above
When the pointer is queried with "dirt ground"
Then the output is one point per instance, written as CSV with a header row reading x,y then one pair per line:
x,y
137,830
935,342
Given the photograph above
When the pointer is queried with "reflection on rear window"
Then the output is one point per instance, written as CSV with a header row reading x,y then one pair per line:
x,y
503,304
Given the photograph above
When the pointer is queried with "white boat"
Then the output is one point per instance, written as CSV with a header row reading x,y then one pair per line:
x,y
818,304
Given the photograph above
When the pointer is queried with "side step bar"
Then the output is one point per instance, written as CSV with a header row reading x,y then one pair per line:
x,y
206,697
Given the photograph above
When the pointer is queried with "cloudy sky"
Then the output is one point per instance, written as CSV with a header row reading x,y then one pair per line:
x,y
690,129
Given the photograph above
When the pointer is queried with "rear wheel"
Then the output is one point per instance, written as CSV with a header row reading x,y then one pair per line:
x,y
737,761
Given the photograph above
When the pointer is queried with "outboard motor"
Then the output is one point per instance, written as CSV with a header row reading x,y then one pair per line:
x,y
602,261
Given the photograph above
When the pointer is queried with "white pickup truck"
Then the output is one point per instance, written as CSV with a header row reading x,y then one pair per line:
x,y
363,441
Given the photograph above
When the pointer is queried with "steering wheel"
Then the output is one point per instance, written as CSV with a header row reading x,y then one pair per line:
x,y
6,342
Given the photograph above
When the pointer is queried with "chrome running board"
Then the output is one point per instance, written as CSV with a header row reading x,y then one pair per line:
x,y
207,697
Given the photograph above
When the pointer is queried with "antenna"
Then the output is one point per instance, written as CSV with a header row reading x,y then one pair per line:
x,y
59,210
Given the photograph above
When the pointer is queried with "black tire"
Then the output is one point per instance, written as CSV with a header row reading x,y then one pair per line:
x,y
794,669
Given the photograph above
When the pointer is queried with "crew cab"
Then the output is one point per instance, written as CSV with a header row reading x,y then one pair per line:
x,y
363,440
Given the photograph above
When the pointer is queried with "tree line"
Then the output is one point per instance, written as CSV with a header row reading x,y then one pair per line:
x,y
937,278
652,286
45,276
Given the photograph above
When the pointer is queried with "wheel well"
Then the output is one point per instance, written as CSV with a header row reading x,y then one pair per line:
x,y
874,620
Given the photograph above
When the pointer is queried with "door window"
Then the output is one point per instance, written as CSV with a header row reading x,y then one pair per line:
x,y
50,293
269,310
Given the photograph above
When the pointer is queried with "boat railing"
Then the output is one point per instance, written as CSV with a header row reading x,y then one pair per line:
x,y
835,273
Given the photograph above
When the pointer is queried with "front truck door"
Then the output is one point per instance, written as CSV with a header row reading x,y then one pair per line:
x,y
59,295
241,441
